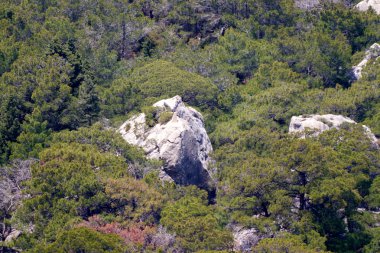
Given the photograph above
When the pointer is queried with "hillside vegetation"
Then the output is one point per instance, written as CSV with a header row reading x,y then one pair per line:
x,y
72,71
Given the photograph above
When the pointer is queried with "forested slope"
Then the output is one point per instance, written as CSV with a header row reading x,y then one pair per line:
x,y
72,71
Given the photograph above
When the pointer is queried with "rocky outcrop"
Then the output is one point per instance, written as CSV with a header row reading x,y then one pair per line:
x,y
361,6
372,53
366,4
309,4
12,236
316,124
177,137
246,238
306,4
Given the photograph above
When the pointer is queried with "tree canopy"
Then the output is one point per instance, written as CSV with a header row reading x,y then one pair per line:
x,y
72,71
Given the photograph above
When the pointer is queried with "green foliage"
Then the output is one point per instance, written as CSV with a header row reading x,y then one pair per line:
x,y
238,53
119,99
151,115
106,140
374,194
249,66
165,117
357,26
272,75
204,63
52,96
133,199
262,178
287,243
325,60
83,240
88,103
161,79
10,120
374,245
195,224
66,181
33,137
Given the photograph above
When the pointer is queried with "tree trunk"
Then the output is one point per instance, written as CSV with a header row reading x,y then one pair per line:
x,y
303,182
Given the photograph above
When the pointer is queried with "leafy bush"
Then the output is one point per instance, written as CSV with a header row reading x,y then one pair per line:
x,y
161,79
165,117
151,115
83,240
195,224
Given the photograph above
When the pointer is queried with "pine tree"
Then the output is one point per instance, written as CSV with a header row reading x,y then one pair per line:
x,y
33,137
88,103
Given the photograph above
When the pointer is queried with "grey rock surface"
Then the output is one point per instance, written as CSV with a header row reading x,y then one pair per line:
x,y
309,4
366,4
181,142
12,236
245,239
361,6
319,123
372,53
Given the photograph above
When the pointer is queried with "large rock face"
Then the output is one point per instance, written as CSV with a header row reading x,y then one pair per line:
x,y
319,123
366,4
372,53
180,140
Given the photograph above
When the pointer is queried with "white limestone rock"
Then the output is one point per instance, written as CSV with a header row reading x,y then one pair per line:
x,y
366,4
309,4
12,236
320,123
361,6
182,142
372,53
245,238
306,4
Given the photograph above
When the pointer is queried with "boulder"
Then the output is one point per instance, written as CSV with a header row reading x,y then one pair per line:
x,y
366,4
178,137
12,236
309,4
306,4
319,123
372,53
361,6
245,239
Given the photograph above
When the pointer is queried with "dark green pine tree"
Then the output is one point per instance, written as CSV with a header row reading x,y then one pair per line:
x,y
10,118
88,103
33,137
